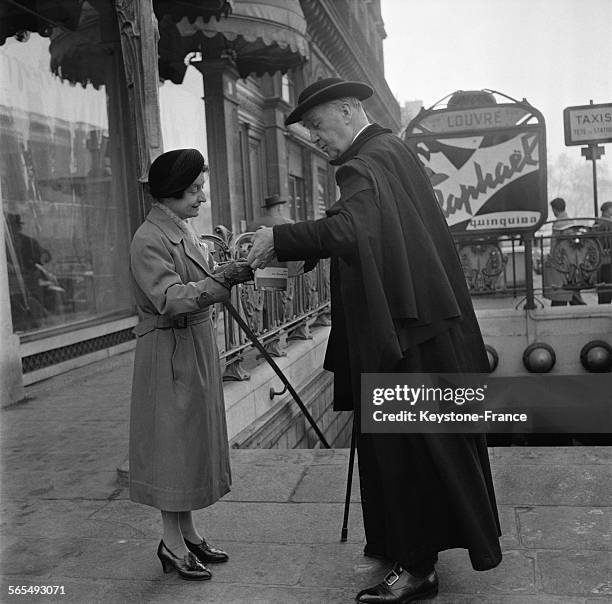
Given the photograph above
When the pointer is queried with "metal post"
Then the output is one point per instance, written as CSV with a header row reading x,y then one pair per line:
x,y
594,160
593,152
530,300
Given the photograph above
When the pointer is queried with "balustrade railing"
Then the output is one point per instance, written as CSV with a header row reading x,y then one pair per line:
x,y
568,261
269,313
568,265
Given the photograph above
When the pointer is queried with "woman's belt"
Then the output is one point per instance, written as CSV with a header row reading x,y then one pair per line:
x,y
162,322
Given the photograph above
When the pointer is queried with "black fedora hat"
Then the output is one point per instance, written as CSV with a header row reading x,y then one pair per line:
x,y
326,90
273,200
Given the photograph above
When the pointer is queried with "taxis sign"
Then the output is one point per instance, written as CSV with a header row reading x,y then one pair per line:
x,y
588,124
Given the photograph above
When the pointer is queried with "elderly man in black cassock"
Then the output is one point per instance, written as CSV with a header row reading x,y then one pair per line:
x,y
399,303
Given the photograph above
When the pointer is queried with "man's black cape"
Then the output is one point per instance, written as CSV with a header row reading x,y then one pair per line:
x,y
400,282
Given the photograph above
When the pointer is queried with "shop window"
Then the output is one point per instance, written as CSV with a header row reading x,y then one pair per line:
x,y
297,201
287,89
63,194
253,170
183,124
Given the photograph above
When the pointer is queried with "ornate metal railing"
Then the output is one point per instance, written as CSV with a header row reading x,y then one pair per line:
x,y
559,263
271,315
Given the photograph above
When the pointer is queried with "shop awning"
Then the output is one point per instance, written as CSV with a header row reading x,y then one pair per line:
x,y
262,36
41,16
18,17
192,9
83,56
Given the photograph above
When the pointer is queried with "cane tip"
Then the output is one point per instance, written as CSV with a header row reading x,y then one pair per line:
x,y
344,535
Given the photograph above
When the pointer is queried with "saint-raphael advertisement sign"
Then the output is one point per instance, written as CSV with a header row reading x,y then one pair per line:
x,y
487,164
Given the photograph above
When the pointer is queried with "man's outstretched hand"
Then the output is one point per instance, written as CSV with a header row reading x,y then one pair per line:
x,y
262,250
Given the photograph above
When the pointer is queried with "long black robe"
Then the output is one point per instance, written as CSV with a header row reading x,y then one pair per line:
x,y
400,304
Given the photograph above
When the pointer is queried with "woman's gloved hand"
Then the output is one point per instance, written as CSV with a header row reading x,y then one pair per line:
x,y
233,272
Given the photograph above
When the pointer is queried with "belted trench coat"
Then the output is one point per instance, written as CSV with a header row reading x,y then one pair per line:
x,y
179,455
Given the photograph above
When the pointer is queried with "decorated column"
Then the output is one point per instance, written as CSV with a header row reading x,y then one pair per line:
x,y
139,38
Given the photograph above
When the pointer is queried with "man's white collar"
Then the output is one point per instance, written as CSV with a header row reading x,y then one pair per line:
x,y
358,133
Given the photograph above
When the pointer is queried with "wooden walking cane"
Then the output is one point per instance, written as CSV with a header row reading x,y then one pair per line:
x,y
243,324
349,478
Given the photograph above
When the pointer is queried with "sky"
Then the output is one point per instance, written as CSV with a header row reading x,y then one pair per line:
x,y
554,53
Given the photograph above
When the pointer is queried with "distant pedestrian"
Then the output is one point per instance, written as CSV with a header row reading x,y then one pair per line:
x,y
557,294
562,220
179,456
272,213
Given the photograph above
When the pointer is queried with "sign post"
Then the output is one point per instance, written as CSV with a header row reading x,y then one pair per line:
x,y
589,125
593,152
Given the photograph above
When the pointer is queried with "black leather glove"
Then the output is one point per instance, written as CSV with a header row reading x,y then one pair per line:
x,y
233,272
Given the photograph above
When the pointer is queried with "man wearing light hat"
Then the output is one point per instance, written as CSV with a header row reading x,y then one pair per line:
x,y
272,206
400,304
273,215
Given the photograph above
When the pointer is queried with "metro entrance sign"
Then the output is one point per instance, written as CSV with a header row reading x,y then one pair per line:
x,y
486,161
588,124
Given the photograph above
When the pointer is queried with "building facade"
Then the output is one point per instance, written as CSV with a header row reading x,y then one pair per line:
x,y
92,91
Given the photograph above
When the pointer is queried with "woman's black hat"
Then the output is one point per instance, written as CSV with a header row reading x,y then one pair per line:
x,y
326,90
172,172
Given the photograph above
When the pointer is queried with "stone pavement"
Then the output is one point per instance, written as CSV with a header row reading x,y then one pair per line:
x,y
66,522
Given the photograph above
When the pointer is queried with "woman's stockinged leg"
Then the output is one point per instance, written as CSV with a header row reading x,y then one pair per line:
x,y
173,537
189,531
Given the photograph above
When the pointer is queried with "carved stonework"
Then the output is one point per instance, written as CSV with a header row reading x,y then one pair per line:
x,y
268,313
139,38
234,372
273,348
252,304
310,290
483,266
323,319
576,259
301,332
286,301
218,248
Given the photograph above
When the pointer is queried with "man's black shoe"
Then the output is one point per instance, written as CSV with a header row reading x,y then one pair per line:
x,y
400,587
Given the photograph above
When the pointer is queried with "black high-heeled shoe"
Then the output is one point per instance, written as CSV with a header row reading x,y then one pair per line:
x,y
188,567
205,553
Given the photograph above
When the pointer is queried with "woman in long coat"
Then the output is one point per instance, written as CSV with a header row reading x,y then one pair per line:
x,y
179,455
